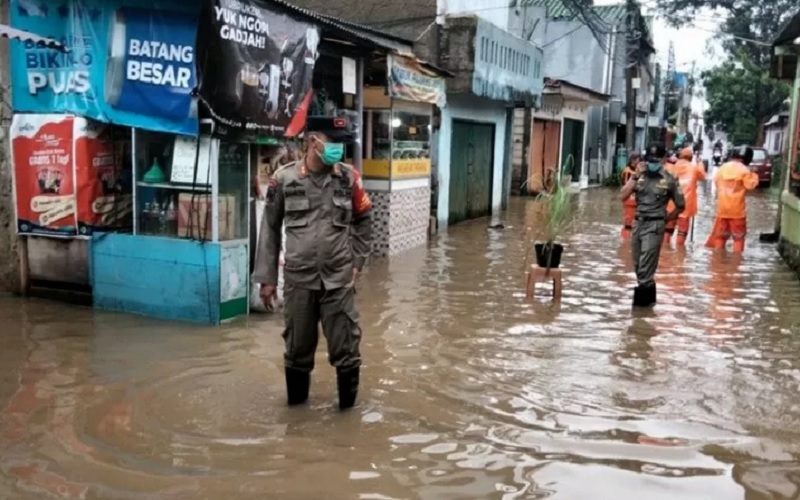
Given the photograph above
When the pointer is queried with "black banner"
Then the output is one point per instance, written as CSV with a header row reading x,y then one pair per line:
x,y
255,65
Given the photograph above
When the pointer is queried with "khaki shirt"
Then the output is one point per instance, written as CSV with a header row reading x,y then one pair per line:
x,y
653,193
328,225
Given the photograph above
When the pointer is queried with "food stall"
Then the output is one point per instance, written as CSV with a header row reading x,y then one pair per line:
x,y
187,257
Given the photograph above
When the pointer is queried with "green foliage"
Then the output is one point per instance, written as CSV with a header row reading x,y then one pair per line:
x,y
558,210
741,96
613,180
739,91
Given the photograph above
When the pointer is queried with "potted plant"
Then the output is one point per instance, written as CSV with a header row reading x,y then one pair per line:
x,y
558,216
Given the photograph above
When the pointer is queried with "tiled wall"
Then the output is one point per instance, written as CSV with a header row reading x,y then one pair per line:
x,y
400,220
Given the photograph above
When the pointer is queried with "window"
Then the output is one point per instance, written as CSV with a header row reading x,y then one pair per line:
x,y
759,155
412,135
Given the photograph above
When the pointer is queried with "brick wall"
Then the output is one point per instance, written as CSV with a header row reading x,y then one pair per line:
x,y
9,261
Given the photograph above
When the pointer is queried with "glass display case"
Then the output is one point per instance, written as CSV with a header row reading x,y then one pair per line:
x,y
188,256
412,135
176,181
411,141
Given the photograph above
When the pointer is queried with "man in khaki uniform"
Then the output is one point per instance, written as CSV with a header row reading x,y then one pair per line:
x,y
654,187
326,214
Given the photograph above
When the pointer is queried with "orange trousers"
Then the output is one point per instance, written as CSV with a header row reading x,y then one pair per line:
x,y
728,228
682,225
628,218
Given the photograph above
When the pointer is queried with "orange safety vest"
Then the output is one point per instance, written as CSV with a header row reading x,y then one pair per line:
x,y
688,174
626,176
733,180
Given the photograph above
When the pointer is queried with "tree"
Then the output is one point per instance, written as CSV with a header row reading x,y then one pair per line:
x,y
739,91
740,96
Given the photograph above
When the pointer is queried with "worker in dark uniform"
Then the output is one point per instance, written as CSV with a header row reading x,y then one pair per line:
x,y
322,204
654,188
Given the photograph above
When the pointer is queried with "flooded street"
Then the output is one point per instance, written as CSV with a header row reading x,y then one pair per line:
x,y
468,390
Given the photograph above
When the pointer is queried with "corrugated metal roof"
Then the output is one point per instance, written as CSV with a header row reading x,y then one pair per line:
x,y
556,9
789,32
24,36
362,33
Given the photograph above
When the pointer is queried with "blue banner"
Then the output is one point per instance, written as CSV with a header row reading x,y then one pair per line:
x,y
130,62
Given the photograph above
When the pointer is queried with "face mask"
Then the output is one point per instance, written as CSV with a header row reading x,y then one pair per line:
x,y
653,167
332,153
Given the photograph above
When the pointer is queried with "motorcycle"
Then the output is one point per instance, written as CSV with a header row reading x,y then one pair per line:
x,y
717,157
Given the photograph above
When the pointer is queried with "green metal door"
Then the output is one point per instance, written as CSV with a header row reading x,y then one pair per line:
x,y
471,167
572,146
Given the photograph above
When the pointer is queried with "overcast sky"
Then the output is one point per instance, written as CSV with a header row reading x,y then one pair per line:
x,y
695,43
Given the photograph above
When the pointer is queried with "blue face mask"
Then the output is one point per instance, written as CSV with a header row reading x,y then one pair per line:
x,y
653,167
332,153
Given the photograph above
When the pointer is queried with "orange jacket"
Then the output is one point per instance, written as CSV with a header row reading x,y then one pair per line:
x,y
688,174
626,176
733,180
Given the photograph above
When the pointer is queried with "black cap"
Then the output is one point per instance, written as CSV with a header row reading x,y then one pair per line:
x,y
655,152
743,153
336,128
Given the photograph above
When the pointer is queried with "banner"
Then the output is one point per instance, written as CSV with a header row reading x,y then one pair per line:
x,y
255,66
130,62
44,188
409,81
103,177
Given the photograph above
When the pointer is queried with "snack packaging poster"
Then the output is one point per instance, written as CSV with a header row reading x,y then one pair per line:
x,y
104,197
44,187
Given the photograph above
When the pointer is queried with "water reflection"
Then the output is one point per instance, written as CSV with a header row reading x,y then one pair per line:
x,y
469,390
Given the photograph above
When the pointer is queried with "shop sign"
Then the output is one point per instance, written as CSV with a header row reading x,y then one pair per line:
x,y
256,66
411,168
129,62
409,81
68,177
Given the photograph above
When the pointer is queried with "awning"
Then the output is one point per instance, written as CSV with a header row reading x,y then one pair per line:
x,y
572,92
24,36
783,64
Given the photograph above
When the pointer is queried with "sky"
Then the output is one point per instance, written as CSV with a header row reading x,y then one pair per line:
x,y
693,43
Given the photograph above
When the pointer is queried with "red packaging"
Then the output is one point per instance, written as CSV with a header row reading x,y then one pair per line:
x,y
103,195
44,187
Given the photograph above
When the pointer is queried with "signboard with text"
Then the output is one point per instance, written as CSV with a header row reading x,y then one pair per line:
x,y
409,81
129,62
256,66
44,184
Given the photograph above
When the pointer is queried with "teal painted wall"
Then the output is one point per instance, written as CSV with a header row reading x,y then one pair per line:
x,y
159,277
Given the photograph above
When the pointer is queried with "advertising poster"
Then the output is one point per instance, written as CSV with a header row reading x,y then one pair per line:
x,y
255,67
44,190
409,81
103,179
129,62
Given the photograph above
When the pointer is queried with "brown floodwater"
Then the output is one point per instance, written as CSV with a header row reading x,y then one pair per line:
x,y
469,391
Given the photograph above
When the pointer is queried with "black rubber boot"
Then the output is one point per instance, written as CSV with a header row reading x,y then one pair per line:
x,y
347,384
644,296
297,384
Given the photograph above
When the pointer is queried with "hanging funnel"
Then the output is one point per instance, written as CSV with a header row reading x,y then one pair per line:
x,y
155,175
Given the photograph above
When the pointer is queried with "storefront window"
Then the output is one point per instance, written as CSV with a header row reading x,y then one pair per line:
x,y
381,135
233,191
412,135
174,187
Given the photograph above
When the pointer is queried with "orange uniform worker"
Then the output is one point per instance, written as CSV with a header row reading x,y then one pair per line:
x,y
688,174
629,205
733,181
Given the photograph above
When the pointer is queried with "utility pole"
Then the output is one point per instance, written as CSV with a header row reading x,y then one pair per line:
x,y
632,53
